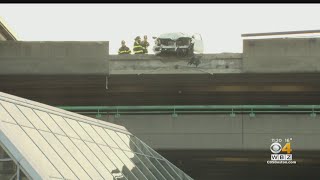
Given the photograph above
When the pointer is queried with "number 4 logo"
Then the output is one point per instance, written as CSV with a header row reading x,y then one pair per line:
x,y
287,148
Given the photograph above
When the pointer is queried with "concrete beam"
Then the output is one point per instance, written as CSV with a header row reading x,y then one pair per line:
x,y
151,64
291,55
280,33
222,132
53,58
92,58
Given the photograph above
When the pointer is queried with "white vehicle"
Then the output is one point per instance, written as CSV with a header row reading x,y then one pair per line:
x,y
178,44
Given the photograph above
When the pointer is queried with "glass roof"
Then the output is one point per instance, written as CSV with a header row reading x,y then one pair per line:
x,y
50,143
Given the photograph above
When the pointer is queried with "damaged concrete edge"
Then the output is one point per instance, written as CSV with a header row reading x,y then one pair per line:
x,y
218,56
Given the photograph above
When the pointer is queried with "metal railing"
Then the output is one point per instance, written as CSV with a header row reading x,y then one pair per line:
x,y
196,109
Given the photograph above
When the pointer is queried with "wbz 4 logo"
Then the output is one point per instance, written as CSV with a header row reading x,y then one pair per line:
x,y
276,148
280,157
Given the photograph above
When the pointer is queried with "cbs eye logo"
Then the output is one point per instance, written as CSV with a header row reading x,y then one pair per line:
x,y
277,148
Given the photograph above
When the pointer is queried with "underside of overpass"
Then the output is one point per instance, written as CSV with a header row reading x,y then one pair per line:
x,y
202,89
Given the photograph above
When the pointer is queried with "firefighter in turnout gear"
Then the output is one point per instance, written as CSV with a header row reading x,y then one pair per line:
x,y
137,48
124,49
145,44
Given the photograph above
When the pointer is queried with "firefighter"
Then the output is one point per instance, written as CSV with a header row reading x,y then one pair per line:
x,y
145,44
124,49
137,48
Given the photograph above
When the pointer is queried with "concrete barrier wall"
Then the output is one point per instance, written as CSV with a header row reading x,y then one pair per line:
x,y
151,64
300,55
57,58
281,55
222,131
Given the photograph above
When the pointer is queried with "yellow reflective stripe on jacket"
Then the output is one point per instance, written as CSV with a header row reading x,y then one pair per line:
x,y
121,52
137,46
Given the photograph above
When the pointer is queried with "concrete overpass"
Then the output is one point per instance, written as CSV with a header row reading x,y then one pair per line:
x,y
83,73
268,72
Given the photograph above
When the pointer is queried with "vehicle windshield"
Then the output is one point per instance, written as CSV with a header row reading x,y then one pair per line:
x,y
167,42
